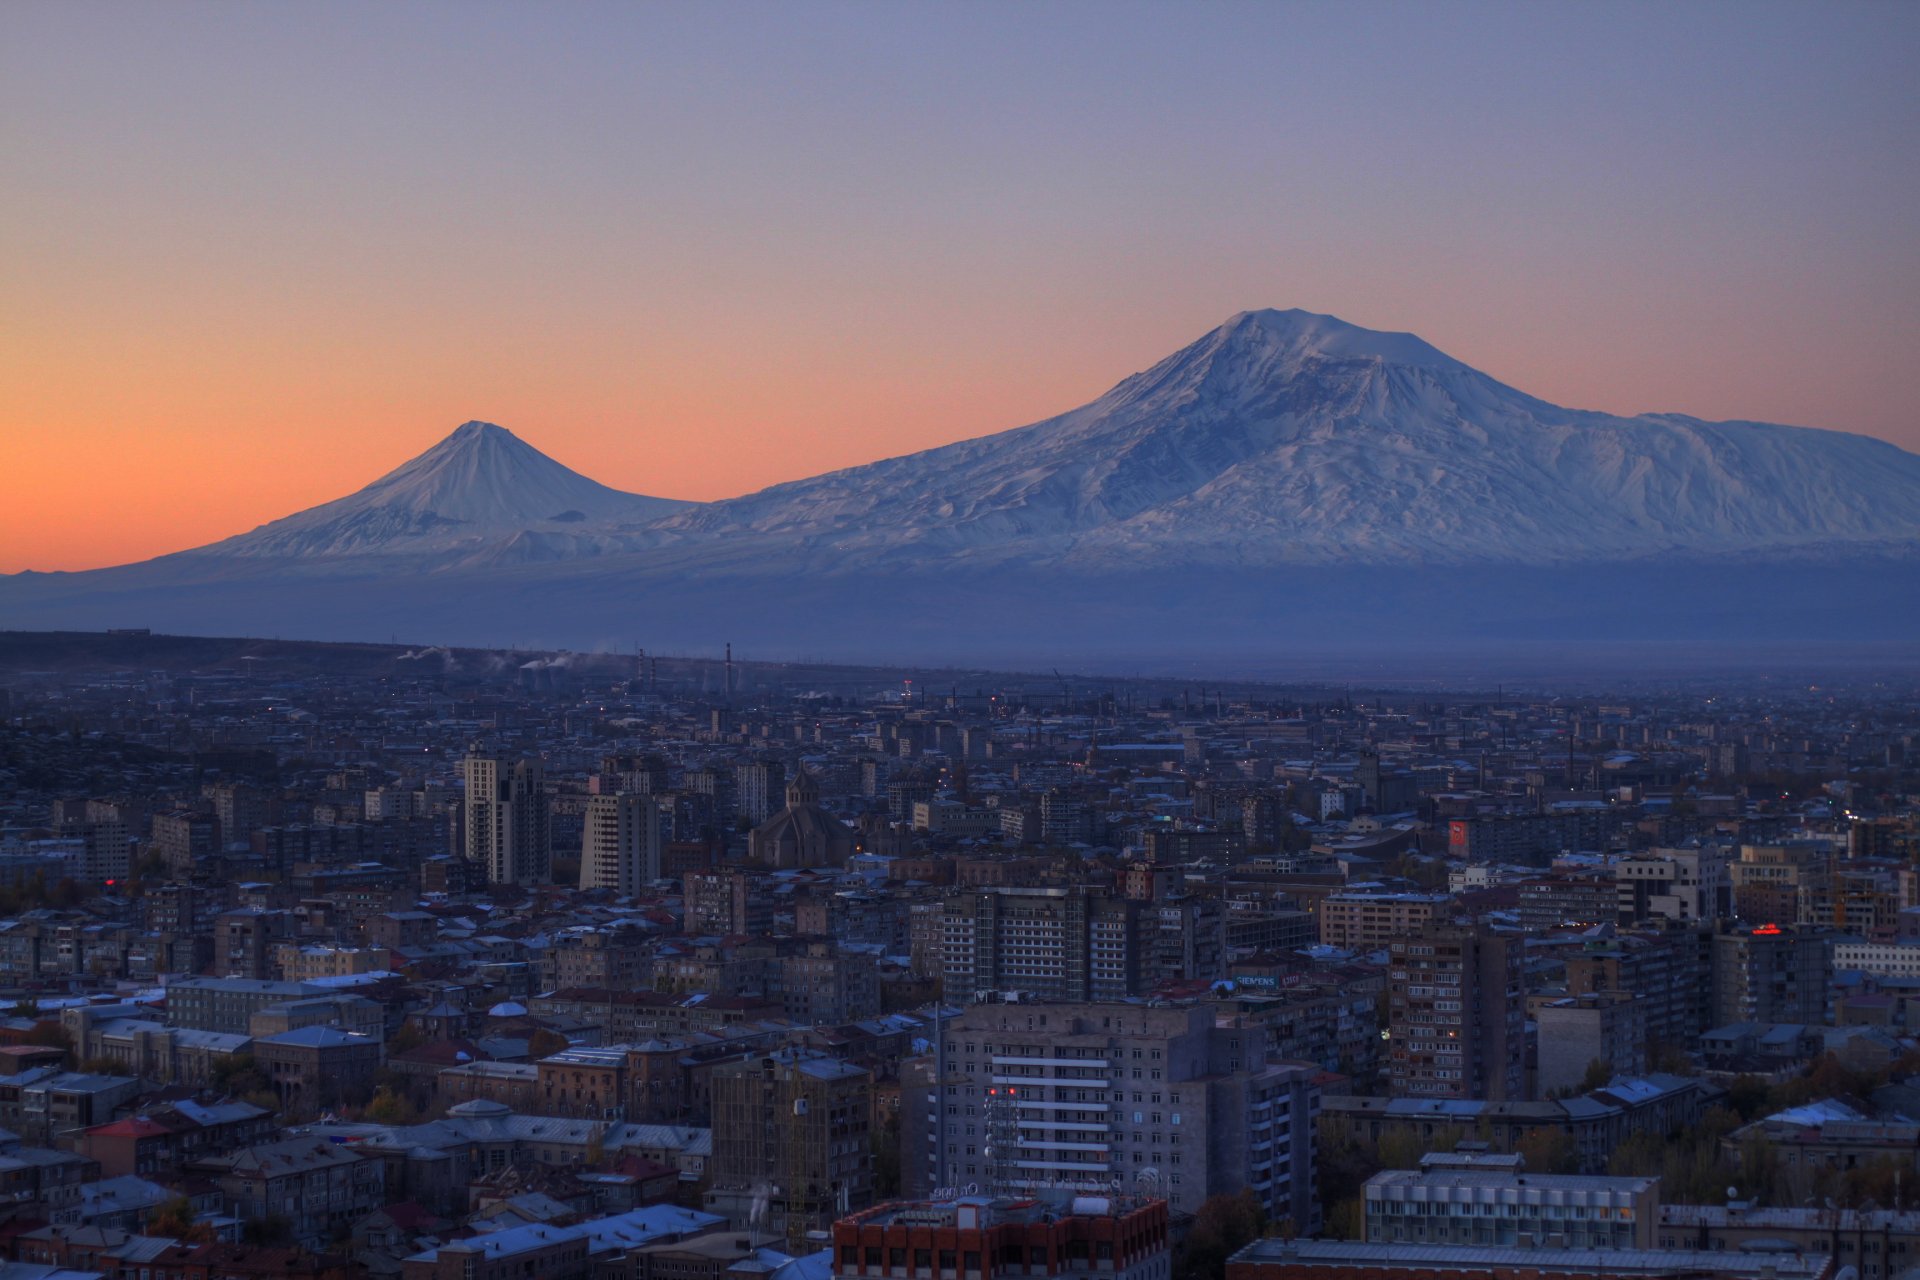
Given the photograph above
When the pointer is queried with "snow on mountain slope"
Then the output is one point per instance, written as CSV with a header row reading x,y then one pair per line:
x,y
482,494
1289,437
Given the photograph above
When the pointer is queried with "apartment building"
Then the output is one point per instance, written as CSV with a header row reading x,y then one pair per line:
x,y
1457,1018
1098,1096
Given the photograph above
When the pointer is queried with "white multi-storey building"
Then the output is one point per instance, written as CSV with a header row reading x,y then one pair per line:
x,y
508,829
620,842
1114,1097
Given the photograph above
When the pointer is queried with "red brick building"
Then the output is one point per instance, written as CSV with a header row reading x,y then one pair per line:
x,y
977,1236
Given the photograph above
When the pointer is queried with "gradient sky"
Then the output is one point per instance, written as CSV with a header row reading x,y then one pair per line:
x,y
253,255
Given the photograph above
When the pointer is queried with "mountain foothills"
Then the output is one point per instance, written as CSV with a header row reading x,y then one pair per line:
x,y
1287,481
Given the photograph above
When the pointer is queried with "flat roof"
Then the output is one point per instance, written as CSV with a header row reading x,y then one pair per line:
x,y
1477,1259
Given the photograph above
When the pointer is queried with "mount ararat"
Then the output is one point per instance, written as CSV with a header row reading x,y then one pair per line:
x,y
1288,483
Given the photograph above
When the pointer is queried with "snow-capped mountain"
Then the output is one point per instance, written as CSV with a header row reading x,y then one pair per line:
x,y
481,492
1288,437
1288,479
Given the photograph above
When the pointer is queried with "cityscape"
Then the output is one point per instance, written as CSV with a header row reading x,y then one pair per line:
x,y
349,960
1061,640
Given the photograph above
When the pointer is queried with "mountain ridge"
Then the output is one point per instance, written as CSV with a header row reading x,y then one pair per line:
x,y
1336,442
1286,474
480,484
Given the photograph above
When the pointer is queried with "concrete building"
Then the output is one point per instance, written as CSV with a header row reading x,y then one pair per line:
x,y
1365,1260
572,1252
1770,973
790,1141
1676,884
757,785
1088,1097
1370,921
1456,1022
721,902
1604,1026
620,843
1074,944
1882,959
1477,1206
317,1186
508,828
227,1005
315,1066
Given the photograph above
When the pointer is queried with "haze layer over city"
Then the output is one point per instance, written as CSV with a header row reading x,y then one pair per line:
x,y
959,642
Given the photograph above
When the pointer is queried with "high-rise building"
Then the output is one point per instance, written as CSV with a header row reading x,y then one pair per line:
x,y
722,901
1151,1101
1667,968
240,809
1457,1022
1770,973
758,786
791,1141
1679,884
1361,921
1074,943
508,829
183,838
1050,943
620,842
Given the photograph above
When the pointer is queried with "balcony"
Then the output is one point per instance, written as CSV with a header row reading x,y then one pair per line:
x,y
999,1061
1030,1145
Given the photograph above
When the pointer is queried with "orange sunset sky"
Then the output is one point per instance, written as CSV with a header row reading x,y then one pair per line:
x,y
255,256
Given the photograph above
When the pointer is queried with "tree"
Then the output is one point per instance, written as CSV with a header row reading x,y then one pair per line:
x,y
1747,1095
390,1106
50,1035
544,1043
1598,1073
886,1158
1401,1147
409,1036
175,1220
1548,1150
272,1231
1221,1227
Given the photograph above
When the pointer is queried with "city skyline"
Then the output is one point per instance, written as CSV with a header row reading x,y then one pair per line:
x,y
276,252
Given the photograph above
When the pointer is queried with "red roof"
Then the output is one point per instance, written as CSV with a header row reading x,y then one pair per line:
x,y
131,1127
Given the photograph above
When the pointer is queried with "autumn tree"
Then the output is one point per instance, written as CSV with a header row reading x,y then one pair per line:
x,y
1222,1226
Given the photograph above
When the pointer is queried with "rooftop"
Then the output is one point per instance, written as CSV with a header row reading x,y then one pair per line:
x,y
1433,1259
994,1211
